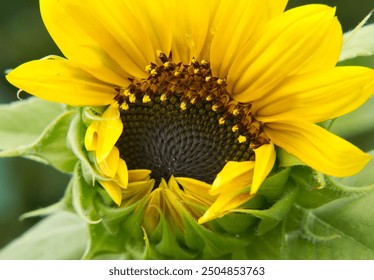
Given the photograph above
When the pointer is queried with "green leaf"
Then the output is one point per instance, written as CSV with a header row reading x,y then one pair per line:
x,y
341,229
58,237
50,146
359,42
347,125
23,121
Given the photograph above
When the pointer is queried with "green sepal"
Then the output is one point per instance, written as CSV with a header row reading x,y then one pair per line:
x,y
48,145
83,196
358,42
271,217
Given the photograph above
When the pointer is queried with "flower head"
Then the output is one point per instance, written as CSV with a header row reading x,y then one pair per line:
x,y
198,94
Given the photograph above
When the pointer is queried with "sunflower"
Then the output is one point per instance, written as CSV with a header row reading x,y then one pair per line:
x,y
196,95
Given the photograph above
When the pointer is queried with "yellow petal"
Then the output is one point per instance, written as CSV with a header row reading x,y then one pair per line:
x,y
76,44
136,191
114,190
153,16
122,175
110,129
234,175
238,22
90,139
317,96
59,80
318,148
109,165
117,31
265,158
189,20
139,175
224,203
294,42
197,189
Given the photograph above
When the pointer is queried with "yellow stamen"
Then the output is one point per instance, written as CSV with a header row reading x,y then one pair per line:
x,y
124,106
146,99
242,139
132,98
183,106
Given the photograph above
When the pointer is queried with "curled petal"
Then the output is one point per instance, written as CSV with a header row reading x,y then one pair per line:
x,y
110,129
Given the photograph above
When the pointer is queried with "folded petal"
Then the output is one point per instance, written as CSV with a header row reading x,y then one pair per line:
x,y
234,175
317,96
122,175
59,80
238,23
114,190
110,129
317,147
265,158
224,203
109,166
197,189
302,39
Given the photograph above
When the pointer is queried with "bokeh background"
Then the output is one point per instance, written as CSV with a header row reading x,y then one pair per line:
x,y
26,185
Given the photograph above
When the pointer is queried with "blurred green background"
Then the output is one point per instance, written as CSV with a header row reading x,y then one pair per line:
x,y
26,185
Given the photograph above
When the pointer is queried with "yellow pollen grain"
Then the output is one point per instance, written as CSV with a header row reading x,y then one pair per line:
x,y
146,99
209,98
124,106
221,82
242,139
153,72
183,106
132,98
126,93
235,128
221,121
163,97
148,68
236,112
215,107
208,78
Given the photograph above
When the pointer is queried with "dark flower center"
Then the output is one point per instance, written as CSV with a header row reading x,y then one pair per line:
x,y
182,122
